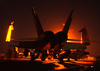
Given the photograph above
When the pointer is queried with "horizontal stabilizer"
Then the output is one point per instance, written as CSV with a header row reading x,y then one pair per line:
x,y
24,44
25,39
69,46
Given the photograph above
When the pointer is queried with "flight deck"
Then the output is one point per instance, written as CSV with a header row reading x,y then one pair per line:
x,y
24,64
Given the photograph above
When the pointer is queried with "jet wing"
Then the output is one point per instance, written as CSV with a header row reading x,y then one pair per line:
x,y
69,46
32,44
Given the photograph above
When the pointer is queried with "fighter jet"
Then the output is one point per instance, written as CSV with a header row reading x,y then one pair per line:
x,y
45,38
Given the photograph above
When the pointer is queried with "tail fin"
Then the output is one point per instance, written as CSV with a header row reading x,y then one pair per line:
x,y
37,23
85,37
68,22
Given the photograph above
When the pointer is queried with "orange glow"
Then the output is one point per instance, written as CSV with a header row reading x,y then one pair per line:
x,y
38,59
40,55
28,53
81,37
60,66
8,37
47,46
16,49
49,61
20,53
55,61
90,58
46,59
35,54
47,51
62,52
49,57
71,35
72,59
63,24
83,62
52,58
65,59
33,9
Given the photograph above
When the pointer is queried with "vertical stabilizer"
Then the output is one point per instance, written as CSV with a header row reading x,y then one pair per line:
x,y
85,38
39,28
68,22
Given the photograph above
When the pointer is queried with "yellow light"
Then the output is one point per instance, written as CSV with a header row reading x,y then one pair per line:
x,y
33,9
28,53
46,59
72,59
69,38
62,52
81,37
8,37
23,56
69,41
16,49
47,51
38,59
60,49
35,54
65,59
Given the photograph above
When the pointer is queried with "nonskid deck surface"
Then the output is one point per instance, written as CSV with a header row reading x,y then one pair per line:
x,y
24,64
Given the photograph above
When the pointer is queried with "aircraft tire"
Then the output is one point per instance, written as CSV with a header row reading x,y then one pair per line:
x,y
61,59
43,59
75,59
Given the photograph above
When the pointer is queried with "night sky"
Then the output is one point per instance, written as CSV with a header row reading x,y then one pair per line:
x,y
52,14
